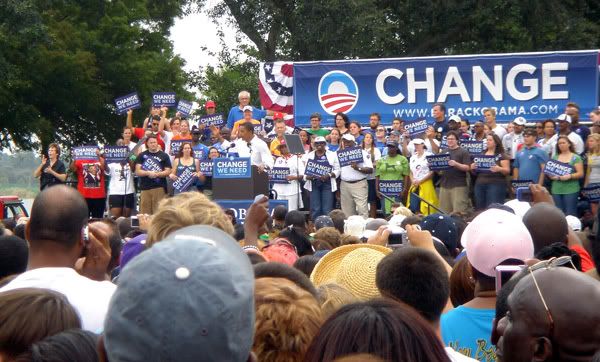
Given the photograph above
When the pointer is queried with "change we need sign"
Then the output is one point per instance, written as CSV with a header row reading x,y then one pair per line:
x,y
85,153
438,162
217,120
557,168
416,127
316,168
184,107
484,163
232,167
116,154
184,180
166,99
391,187
127,102
474,147
349,155
592,192
206,167
278,175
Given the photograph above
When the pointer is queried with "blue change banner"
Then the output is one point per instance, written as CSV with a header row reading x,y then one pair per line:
x,y
391,188
185,180
416,127
536,86
474,147
592,192
212,120
127,102
176,146
438,162
184,107
484,163
520,183
166,99
232,167
317,168
85,153
349,155
116,154
206,167
240,207
278,175
557,168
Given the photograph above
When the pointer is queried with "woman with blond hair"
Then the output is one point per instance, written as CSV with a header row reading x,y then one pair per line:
x,y
565,188
593,165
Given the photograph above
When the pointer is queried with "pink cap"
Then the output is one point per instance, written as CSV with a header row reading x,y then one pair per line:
x,y
494,236
210,104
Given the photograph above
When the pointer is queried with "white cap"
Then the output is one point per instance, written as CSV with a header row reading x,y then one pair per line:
x,y
574,223
564,117
320,139
455,118
417,141
355,225
247,108
519,207
349,137
520,121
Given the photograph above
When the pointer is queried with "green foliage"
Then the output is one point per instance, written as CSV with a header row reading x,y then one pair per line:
x,y
64,61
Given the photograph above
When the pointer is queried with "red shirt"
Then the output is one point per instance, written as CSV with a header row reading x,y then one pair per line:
x,y
586,260
140,133
90,179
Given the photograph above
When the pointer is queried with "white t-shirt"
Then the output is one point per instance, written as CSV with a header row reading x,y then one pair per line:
x,y
419,168
121,179
89,297
500,131
377,154
290,188
457,356
429,148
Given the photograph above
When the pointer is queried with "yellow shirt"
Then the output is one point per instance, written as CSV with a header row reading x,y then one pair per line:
x,y
236,125
273,147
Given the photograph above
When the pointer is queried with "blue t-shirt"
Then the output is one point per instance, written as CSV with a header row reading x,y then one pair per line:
x,y
235,114
200,151
528,161
332,147
468,331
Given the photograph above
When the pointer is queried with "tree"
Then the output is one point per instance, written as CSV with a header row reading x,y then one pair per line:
x,y
67,60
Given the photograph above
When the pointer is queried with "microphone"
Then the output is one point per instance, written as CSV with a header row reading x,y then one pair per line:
x,y
231,145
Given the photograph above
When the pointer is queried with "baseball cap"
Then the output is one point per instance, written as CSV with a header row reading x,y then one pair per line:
x,y
442,227
277,115
182,300
210,104
564,118
372,226
417,141
454,118
282,143
574,223
354,225
349,137
247,108
529,132
494,236
323,221
520,121
320,139
391,144
196,130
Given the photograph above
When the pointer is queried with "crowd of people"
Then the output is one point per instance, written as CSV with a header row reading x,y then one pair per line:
x,y
452,268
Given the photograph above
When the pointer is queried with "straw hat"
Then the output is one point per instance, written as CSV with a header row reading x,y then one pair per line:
x,y
351,266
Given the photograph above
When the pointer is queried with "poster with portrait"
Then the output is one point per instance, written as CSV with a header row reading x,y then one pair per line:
x,y
91,175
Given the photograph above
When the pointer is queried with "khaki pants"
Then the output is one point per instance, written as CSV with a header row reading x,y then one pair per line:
x,y
354,198
455,199
150,199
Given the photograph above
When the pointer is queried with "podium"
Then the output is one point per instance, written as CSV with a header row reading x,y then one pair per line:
x,y
241,188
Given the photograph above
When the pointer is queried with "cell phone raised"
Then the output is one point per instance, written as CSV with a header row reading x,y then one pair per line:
x,y
524,194
504,273
135,222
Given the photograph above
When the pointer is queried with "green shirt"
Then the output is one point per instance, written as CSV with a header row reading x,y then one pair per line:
x,y
318,132
569,186
392,168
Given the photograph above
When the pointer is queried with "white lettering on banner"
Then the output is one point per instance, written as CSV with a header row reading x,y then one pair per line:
x,y
542,109
163,97
128,100
454,85
232,164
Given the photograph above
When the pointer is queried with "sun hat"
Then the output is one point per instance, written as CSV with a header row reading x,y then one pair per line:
x,y
354,225
494,236
351,266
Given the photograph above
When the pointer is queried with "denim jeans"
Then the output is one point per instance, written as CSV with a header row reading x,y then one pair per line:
x,y
567,203
486,194
321,198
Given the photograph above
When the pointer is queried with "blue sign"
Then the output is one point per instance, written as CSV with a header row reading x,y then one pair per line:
x,y
185,180
240,207
232,167
116,154
206,167
349,155
317,168
520,183
557,168
484,163
176,146
533,85
125,103
85,153
416,127
278,175
438,162
212,120
592,192
184,107
474,147
166,99
391,188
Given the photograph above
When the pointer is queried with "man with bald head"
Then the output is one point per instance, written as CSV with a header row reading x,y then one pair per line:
x,y
567,330
58,237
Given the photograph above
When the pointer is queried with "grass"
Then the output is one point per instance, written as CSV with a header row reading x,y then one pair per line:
x,y
22,192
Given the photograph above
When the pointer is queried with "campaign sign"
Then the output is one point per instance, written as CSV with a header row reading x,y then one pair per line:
x,y
116,154
176,146
184,180
151,164
200,154
240,207
206,167
391,188
484,163
166,99
349,155
316,168
184,107
474,147
212,120
438,162
278,175
125,103
232,167
520,183
416,127
592,192
557,168
85,153
258,128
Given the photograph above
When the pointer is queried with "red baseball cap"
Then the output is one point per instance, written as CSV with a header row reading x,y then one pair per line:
x,y
210,104
277,115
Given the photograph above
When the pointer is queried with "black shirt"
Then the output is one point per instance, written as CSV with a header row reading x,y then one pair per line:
x,y
47,179
157,162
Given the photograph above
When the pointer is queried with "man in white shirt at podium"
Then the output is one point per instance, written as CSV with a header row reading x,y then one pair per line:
x,y
248,145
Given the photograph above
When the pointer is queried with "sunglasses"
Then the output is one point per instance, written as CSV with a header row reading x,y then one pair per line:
x,y
547,264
